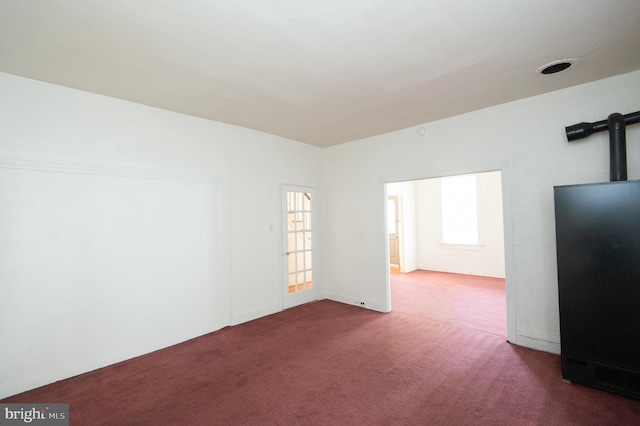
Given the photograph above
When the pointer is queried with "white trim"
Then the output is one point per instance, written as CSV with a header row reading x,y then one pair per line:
x,y
100,169
224,305
309,295
349,300
448,246
509,266
538,344
510,285
255,314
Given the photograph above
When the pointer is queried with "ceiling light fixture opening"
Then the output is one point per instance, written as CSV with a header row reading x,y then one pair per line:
x,y
556,66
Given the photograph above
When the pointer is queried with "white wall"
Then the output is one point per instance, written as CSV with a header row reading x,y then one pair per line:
x,y
125,228
526,141
486,259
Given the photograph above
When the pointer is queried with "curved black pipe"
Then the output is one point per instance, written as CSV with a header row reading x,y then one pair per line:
x,y
616,124
583,130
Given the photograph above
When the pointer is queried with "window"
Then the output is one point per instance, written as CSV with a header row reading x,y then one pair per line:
x,y
459,210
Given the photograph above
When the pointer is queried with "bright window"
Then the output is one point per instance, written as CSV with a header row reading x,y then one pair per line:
x,y
459,210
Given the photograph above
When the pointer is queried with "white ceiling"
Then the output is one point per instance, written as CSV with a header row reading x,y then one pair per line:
x,y
322,72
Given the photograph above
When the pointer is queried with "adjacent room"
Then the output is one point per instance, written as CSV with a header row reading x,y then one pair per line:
x,y
446,247
194,206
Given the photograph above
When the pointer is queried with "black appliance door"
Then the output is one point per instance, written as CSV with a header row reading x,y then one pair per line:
x,y
598,252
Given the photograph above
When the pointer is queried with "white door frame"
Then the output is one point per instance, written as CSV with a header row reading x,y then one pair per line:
x,y
396,201
510,286
308,229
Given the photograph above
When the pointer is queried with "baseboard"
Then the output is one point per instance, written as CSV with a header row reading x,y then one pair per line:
x,y
363,303
252,315
538,344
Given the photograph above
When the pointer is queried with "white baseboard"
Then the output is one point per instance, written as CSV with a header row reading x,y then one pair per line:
x,y
252,315
538,344
363,303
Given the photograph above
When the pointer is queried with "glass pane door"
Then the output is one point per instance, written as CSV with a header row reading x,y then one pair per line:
x,y
298,205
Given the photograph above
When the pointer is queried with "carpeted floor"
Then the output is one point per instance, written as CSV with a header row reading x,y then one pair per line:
x,y
440,358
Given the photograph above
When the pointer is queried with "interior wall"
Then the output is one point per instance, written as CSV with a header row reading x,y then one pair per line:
x,y
126,228
100,264
259,165
486,259
524,139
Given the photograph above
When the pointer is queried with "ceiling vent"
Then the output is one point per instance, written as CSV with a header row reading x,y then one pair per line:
x,y
555,66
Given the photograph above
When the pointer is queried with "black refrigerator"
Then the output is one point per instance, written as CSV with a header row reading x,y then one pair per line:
x,y
598,253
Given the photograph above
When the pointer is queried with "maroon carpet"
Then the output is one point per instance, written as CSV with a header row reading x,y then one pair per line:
x,y
440,358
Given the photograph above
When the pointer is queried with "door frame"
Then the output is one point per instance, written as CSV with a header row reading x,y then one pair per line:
x,y
510,286
398,200
290,300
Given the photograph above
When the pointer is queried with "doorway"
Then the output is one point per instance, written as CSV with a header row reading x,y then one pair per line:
x,y
393,221
297,214
423,245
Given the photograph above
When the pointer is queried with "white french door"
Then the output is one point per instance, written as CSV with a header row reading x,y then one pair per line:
x,y
298,206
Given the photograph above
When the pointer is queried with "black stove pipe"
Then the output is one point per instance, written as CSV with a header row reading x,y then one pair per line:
x,y
617,147
616,124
